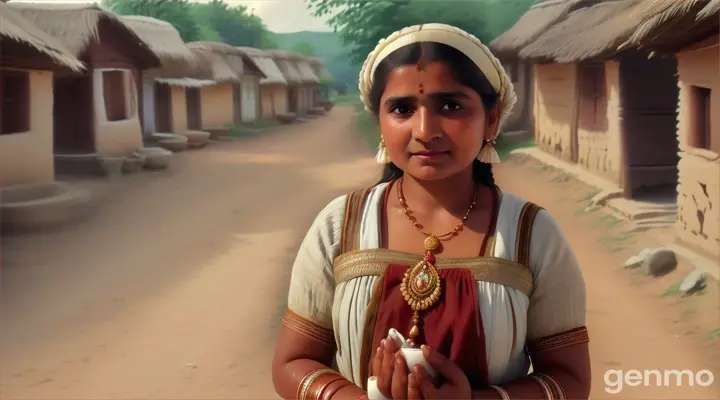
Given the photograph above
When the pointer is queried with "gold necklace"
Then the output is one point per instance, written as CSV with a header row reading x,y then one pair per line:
x,y
421,284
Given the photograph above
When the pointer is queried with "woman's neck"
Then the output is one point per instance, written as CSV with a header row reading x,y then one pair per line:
x,y
452,194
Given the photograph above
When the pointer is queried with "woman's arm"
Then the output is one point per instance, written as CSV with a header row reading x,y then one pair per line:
x,y
306,345
299,354
562,373
557,339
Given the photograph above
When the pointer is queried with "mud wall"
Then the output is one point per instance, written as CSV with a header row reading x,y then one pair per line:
x,y
179,109
699,168
555,107
599,147
27,157
217,105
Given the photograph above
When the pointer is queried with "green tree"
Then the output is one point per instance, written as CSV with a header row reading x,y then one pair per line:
x,y
176,12
233,24
363,23
213,21
304,48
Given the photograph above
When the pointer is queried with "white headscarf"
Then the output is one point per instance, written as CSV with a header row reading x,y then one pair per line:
x,y
460,40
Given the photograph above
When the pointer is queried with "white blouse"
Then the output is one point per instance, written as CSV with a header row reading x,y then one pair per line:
x,y
511,317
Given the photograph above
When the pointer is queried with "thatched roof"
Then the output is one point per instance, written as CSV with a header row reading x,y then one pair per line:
x,y
624,24
250,57
266,65
535,21
211,65
578,34
657,22
185,82
165,42
232,56
15,27
320,70
297,62
77,25
287,67
711,9
306,72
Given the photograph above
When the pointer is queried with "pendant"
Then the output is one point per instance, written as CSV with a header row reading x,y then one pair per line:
x,y
421,288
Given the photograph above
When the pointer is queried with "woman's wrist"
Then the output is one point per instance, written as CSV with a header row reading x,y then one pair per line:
x,y
493,392
348,392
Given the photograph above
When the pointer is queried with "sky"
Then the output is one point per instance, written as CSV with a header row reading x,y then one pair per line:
x,y
280,16
283,15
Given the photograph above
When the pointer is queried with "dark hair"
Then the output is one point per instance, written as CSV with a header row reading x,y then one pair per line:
x,y
465,72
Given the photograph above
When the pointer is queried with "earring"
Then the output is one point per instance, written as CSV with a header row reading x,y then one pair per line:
x,y
382,155
488,154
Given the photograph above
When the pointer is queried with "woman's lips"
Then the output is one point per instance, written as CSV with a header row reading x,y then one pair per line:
x,y
430,155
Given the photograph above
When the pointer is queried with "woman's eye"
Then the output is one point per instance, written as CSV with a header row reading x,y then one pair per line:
x,y
451,106
400,109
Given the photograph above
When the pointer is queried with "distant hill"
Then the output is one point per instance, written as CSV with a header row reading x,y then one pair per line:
x,y
329,48
327,44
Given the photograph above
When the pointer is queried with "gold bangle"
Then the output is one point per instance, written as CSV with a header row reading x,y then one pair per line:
x,y
503,393
330,394
559,391
325,385
544,385
308,380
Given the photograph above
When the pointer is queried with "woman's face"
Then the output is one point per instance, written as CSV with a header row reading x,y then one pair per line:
x,y
437,133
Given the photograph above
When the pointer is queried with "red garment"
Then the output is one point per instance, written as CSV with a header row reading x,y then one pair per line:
x,y
452,326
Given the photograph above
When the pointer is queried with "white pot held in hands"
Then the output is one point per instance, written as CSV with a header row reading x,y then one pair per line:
x,y
412,356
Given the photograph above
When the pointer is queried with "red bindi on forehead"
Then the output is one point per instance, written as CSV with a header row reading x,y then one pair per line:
x,y
413,79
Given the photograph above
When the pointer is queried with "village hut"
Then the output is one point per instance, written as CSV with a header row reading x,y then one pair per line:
x,y
506,47
95,112
221,102
690,31
293,77
326,80
256,70
273,87
28,59
165,107
597,106
309,80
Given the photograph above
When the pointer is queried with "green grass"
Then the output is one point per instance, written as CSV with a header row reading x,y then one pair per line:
x,y
673,290
505,146
348,98
252,128
714,334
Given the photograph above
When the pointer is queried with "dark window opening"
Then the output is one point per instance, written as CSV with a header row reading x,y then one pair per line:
x,y
114,95
700,105
15,94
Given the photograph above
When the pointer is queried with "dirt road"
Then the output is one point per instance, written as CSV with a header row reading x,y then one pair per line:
x,y
174,289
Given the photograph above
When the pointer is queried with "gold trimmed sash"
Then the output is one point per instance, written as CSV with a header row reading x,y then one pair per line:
x,y
559,340
372,262
524,233
353,214
308,328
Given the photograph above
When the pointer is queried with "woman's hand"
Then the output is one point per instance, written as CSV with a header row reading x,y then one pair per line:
x,y
456,385
390,368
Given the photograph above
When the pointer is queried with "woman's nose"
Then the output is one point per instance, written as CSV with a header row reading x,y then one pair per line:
x,y
425,125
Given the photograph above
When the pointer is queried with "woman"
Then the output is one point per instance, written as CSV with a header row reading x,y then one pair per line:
x,y
481,280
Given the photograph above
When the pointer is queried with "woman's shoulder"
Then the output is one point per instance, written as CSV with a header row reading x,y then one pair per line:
x,y
514,208
335,210
331,218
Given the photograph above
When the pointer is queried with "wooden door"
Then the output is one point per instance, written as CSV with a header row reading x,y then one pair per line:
x,y
73,130
237,103
193,108
163,108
